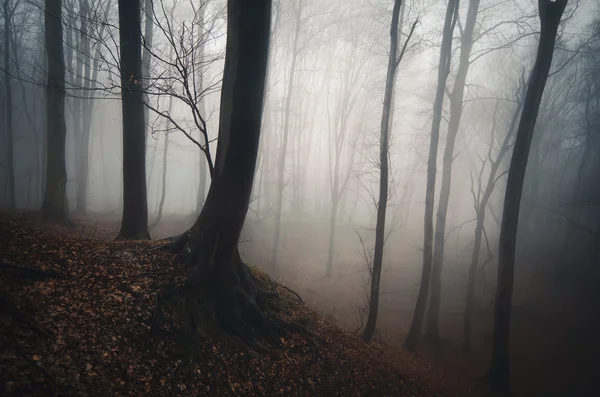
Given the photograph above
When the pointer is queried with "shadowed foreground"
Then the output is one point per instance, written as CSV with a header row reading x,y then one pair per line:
x,y
81,324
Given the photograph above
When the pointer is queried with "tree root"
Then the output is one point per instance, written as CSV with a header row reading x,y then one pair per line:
x,y
292,292
7,303
28,272
175,244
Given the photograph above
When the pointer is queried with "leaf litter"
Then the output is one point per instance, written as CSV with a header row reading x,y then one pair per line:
x,y
96,299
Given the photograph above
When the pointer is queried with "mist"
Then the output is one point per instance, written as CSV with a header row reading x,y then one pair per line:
x,y
312,217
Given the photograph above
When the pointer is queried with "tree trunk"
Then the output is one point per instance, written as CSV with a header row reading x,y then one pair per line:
x,y
84,150
217,270
550,15
383,175
10,166
456,109
414,333
134,223
284,144
163,186
332,229
55,206
147,56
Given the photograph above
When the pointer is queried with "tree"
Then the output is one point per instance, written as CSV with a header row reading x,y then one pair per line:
x,y
550,13
297,7
384,143
481,198
134,224
54,205
217,272
8,105
456,109
443,70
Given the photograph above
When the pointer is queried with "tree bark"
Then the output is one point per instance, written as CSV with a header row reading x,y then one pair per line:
x,y
55,206
550,15
134,223
217,271
147,56
414,333
12,193
83,151
456,109
384,141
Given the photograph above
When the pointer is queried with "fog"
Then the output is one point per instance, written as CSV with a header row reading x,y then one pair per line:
x,y
314,199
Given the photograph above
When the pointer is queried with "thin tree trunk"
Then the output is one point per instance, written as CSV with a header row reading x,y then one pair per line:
x,y
414,333
134,223
147,56
55,206
456,109
551,12
83,152
12,193
383,175
284,144
163,188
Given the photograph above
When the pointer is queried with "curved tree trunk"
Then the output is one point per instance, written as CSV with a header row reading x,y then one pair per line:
x,y
414,333
551,12
134,224
217,271
383,175
55,206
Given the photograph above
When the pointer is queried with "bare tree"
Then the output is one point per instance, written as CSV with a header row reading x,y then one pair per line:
x,y
8,12
414,333
456,109
550,12
384,141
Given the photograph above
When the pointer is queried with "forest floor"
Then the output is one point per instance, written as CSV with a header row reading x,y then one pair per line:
x,y
93,302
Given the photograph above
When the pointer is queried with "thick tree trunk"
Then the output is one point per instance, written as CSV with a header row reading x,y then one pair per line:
x,y
217,270
550,15
383,175
10,166
414,333
54,206
456,109
134,223
283,150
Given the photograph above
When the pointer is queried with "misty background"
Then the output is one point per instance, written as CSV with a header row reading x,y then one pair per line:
x,y
312,215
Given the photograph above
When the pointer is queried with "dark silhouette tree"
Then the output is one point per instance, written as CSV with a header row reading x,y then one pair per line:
x,y
134,224
218,274
550,12
414,333
54,205
384,144
8,107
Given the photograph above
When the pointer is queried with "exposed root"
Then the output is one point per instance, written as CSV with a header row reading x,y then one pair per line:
x,y
175,245
7,304
292,292
27,272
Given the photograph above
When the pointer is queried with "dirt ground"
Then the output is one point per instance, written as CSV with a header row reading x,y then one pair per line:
x,y
554,329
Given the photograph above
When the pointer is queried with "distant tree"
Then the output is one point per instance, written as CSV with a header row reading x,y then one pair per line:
x,y
134,224
54,205
8,10
456,109
384,143
550,12
414,333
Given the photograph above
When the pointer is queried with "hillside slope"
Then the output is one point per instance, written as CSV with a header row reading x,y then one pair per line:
x,y
76,314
